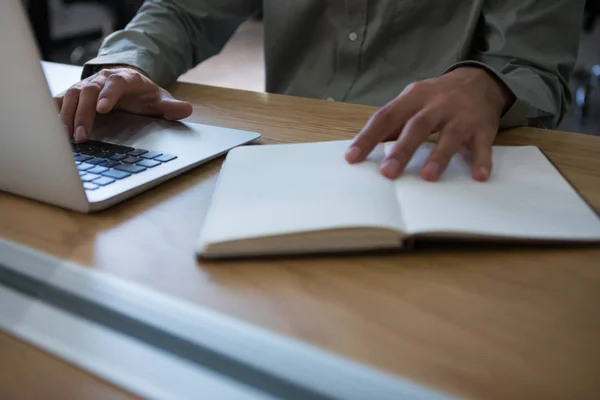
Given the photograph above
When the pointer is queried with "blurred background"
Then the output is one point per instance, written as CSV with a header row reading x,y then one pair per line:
x,y
70,31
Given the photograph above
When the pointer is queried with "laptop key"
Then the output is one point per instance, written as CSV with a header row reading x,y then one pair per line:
x,y
103,181
77,162
90,151
90,186
84,166
117,157
95,161
115,148
148,163
105,154
134,169
165,158
89,177
97,170
83,157
81,173
137,152
150,155
116,174
131,160
83,145
109,163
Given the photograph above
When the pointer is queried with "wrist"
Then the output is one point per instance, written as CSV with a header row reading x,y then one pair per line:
x,y
119,66
504,96
499,96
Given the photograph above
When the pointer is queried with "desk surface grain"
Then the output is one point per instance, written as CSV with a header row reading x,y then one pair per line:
x,y
492,323
28,373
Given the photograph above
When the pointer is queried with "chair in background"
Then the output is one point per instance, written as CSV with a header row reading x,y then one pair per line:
x,y
588,80
116,15
39,17
56,22
74,20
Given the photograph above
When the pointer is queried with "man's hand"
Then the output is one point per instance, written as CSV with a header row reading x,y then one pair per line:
x,y
464,106
115,88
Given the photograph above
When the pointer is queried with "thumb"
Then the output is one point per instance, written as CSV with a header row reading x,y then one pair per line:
x,y
59,101
175,109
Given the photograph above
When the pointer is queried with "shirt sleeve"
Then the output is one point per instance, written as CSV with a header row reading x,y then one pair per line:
x,y
168,37
531,46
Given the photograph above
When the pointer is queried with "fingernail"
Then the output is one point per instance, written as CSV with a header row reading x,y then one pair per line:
x,y
80,135
485,172
102,104
431,170
391,168
67,129
353,154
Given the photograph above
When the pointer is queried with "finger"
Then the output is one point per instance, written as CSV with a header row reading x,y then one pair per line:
x,y
451,139
86,108
415,132
481,149
69,108
379,126
175,109
386,122
114,88
59,101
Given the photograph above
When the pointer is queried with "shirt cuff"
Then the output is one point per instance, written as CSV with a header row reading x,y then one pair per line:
x,y
520,112
135,59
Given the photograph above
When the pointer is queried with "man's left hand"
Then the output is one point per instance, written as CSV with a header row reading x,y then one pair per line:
x,y
464,106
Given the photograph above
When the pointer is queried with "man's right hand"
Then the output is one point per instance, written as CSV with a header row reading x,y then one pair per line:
x,y
115,88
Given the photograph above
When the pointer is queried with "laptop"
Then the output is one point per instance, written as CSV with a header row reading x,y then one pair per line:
x,y
127,155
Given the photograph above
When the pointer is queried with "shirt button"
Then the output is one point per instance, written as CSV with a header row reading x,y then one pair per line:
x,y
352,36
330,98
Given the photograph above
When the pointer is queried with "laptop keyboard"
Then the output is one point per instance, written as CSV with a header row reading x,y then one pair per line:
x,y
101,163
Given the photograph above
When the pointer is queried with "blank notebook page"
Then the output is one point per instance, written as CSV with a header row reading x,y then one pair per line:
x,y
525,197
282,189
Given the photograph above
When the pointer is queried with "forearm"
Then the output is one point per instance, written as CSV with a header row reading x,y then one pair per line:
x,y
539,98
168,37
531,47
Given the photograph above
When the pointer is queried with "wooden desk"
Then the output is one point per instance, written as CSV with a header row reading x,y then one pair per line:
x,y
479,323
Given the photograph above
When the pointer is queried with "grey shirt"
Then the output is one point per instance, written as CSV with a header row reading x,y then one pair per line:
x,y
367,51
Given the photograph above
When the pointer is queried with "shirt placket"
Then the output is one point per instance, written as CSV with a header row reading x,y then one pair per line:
x,y
351,37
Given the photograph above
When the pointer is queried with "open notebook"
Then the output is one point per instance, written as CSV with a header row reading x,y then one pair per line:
x,y
305,198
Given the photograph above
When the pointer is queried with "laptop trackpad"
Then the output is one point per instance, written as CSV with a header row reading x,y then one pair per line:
x,y
146,132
